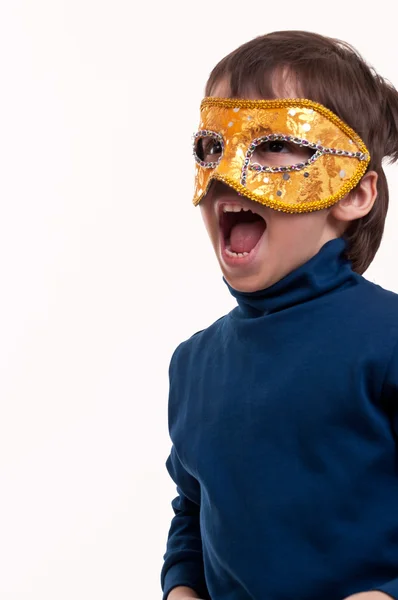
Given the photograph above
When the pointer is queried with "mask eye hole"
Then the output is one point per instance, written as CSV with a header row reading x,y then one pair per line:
x,y
208,148
280,153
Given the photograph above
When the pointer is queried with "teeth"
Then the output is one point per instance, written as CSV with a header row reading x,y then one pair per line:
x,y
234,208
235,254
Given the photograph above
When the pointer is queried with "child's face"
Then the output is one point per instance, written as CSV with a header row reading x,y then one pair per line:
x,y
285,241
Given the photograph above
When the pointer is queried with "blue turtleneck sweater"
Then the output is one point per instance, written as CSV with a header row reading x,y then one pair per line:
x,y
283,416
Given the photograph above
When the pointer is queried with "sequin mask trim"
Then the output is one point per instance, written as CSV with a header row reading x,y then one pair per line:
x,y
336,161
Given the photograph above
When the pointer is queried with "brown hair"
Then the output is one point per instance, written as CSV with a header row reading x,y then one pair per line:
x,y
333,73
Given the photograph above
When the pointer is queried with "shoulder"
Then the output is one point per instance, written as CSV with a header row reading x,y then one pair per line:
x,y
370,316
198,342
378,302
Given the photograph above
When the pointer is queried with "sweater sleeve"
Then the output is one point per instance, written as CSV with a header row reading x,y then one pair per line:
x,y
390,588
183,560
390,397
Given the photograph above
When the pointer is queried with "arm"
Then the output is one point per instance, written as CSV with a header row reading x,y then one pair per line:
x,y
183,561
390,397
182,574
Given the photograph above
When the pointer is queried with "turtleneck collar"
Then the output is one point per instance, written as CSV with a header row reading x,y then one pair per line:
x,y
327,270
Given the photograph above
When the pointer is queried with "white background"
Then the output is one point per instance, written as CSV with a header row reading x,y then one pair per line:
x,y
105,267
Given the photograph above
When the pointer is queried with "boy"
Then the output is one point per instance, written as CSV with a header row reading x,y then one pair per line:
x,y
284,413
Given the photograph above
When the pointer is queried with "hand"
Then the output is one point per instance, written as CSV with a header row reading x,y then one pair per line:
x,y
184,593
375,595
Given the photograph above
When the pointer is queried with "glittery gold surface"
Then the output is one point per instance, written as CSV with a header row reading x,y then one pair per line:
x,y
241,121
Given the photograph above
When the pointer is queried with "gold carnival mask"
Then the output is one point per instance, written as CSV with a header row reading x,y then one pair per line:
x,y
229,147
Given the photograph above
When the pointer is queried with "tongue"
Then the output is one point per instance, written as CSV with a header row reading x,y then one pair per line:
x,y
244,236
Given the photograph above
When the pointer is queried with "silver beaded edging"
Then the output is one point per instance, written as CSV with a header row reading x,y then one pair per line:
x,y
320,151
207,133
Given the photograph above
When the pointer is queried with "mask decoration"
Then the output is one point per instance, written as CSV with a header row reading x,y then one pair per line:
x,y
247,145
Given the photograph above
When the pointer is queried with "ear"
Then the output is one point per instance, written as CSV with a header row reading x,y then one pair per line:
x,y
359,201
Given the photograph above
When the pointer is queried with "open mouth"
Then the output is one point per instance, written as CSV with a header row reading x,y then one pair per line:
x,y
241,229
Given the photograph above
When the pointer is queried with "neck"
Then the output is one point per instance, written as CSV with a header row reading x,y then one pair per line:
x,y
327,271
